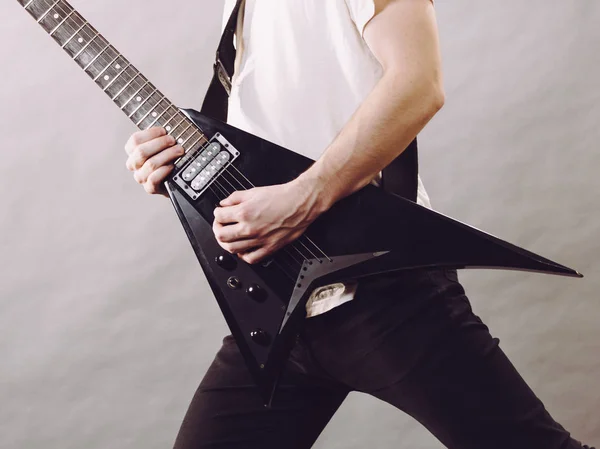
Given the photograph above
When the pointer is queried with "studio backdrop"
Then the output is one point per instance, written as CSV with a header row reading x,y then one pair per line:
x,y
107,323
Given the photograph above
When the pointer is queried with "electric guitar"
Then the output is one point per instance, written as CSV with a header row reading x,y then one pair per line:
x,y
367,233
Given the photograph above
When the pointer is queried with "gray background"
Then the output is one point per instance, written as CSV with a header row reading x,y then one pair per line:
x,y
106,322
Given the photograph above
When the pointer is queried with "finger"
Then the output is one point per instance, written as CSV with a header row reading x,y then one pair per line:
x,y
232,232
256,256
155,183
144,151
241,246
143,136
229,214
161,159
235,198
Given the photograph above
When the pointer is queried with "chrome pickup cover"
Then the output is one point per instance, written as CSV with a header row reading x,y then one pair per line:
x,y
205,165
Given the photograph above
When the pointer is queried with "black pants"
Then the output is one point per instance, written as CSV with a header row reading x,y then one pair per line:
x,y
411,340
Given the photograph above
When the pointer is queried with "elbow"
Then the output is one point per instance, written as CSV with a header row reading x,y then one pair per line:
x,y
436,96
424,90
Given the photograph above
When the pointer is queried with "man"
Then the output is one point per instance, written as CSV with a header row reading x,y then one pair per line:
x,y
349,83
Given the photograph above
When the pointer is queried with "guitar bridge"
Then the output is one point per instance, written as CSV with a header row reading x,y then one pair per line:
x,y
197,170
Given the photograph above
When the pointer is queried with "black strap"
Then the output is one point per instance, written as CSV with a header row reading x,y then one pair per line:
x,y
215,100
399,177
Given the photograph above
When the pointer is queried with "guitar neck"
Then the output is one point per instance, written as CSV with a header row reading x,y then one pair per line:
x,y
131,91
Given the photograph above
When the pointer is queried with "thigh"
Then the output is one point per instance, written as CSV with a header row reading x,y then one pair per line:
x,y
466,391
227,412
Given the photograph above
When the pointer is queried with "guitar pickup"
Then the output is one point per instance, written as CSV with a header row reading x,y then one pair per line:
x,y
219,161
205,165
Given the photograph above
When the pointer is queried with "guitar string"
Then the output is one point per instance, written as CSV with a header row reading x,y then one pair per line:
x,y
101,57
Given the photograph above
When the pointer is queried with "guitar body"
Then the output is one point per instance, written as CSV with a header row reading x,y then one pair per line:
x,y
367,233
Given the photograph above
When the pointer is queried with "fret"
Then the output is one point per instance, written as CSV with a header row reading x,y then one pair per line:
x,y
111,73
115,79
55,15
48,11
96,57
109,65
180,124
103,64
94,53
181,134
134,94
80,40
151,110
55,29
187,137
141,104
146,107
74,34
143,92
173,122
192,147
86,45
173,111
28,3
37,9
123,77
156,117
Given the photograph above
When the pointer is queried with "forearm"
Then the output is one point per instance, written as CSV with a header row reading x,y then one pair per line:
x,y
387,121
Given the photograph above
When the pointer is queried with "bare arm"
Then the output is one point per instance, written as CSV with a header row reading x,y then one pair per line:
x,y
403,37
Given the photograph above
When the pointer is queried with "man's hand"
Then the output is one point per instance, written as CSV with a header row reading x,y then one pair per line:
x,y
255,223
151,154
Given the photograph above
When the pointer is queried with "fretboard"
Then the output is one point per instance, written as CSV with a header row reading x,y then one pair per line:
x,y
131,91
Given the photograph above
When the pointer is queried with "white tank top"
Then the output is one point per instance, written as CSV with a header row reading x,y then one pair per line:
x,y
302,69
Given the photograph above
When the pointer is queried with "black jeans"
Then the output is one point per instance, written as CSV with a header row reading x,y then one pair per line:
x,y
411,340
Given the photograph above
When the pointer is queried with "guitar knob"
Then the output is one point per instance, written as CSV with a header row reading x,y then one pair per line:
x,y
234,283
256,292
226,261
260,337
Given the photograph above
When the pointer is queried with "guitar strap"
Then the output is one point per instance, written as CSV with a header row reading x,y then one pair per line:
x,y
399,177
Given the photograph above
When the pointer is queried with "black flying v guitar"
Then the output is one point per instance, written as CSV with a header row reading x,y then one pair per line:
x,y
367,233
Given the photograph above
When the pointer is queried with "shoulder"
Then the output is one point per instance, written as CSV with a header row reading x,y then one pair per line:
x,y
362,11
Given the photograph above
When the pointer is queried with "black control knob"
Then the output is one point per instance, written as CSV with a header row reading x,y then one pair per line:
x,y
260,337
256,292
226,261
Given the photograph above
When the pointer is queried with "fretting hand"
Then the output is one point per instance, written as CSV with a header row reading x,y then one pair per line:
x,y
151,154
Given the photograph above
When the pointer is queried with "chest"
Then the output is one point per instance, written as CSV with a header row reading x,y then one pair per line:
x,y
303,27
